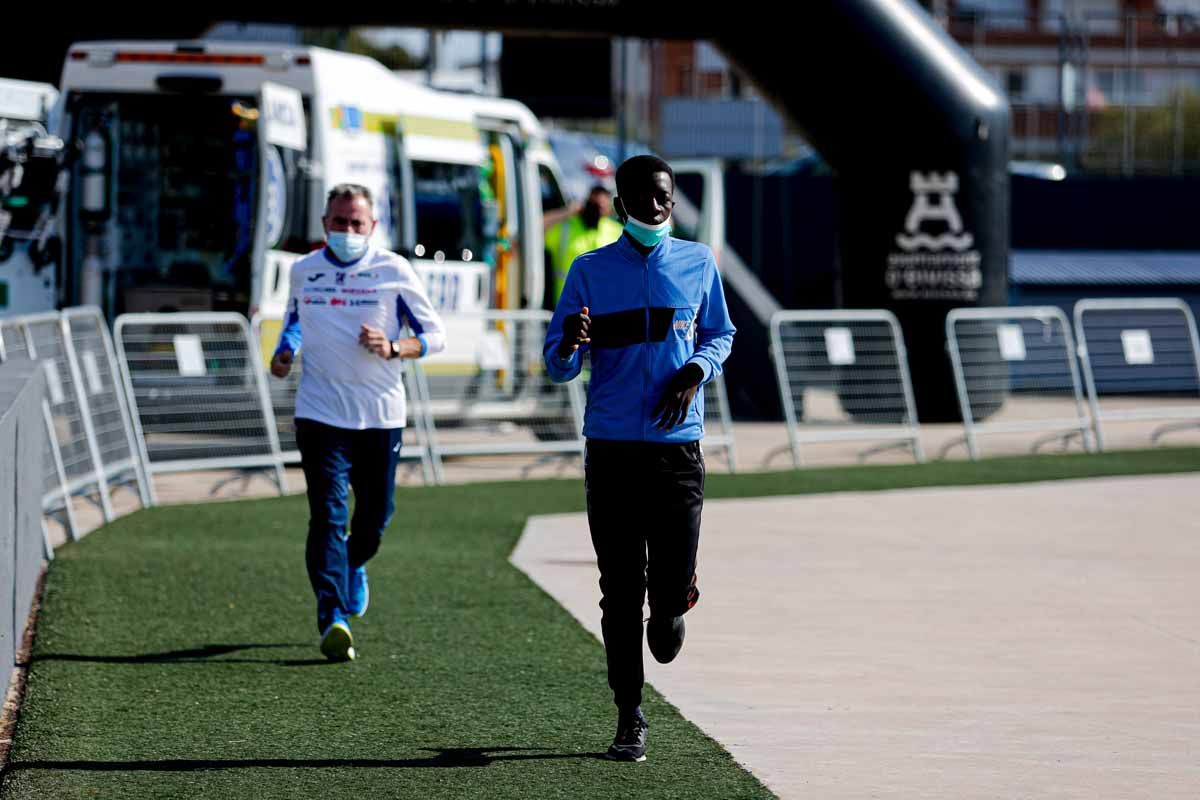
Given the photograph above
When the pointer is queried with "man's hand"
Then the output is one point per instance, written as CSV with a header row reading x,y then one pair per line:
x,y
575,332
281,364
672,409
556,217
375,340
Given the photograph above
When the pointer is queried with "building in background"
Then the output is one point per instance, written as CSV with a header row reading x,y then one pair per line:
x,y
1100,85
688,101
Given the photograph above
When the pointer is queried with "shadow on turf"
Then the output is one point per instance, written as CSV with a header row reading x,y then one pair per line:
x,y
452,757
195,655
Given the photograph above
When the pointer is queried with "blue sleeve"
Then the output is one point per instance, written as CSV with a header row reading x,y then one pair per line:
x,y
714,328
414,306
289,337
573,298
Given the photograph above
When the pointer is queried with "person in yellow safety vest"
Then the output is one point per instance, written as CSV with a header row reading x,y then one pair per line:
x,y
593,227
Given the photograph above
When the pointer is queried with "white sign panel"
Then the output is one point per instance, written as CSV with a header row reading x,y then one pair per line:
x,y
283,111
1137,347
1012,342
189,354
92,371
53,382
839,345
493,352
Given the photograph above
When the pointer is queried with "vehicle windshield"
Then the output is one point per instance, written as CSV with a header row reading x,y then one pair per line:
x,y
449,203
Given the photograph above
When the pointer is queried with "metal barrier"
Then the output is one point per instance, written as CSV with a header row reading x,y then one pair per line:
x,y
420,435
47,341
198,393
12,339
91,347
55,497
718,423
22,387
843,377
1141,362
282,391
416,446
503,402
1015,368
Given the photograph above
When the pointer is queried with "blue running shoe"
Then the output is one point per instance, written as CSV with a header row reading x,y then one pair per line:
x,y
337,643
360,593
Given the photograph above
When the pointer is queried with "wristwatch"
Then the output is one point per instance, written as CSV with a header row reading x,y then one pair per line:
x,y
393,349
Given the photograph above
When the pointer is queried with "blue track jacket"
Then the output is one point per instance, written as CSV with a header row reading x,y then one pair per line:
x,y
650,316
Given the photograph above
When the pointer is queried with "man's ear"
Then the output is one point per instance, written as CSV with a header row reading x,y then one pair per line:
x,y
619,207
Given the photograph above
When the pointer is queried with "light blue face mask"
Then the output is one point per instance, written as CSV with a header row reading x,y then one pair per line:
x,y
648,235
347,246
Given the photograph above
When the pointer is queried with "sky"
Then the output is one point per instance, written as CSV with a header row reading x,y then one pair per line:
x,y
458,48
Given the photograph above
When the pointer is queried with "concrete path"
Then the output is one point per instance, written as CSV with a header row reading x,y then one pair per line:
x,y
1036,641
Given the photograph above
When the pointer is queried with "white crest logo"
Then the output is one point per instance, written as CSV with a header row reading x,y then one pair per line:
x,y
925,209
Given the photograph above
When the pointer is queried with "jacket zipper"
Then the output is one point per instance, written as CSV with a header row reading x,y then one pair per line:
x,y
646,352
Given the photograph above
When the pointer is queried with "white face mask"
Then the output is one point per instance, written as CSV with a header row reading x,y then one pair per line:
x,y
347,246
648,235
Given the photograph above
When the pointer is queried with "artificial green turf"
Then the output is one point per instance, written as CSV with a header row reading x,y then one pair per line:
x,y
176,655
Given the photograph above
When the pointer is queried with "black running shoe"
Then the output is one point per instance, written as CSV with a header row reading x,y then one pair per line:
x,y
630,741
665,637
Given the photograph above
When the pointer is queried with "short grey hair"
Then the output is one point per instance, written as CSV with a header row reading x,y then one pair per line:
x,y
350,191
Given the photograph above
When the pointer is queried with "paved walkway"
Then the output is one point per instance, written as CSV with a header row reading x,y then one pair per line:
x,y
1003,642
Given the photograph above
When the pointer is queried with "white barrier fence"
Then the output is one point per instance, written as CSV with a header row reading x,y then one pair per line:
x,y
843,376
199,393
502,402
116,442
55,498
417,436
90,446
718,422
1015,372
23,537
1141,362
190,391
46,341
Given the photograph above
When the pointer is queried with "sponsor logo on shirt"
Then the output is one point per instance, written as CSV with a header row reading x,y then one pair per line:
x,y
314,301
316,276
360,291
364,275
364,302
684,325
337,301
341,278
319,290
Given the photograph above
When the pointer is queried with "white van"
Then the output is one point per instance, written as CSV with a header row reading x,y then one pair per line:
x,y
202,170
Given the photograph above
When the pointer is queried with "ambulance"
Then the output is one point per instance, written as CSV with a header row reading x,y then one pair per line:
x,y
198,174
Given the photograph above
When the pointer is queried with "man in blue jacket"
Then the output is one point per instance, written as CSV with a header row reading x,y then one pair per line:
x,y
651,311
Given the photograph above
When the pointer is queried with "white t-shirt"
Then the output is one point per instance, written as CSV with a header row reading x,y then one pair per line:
x,y
342,383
